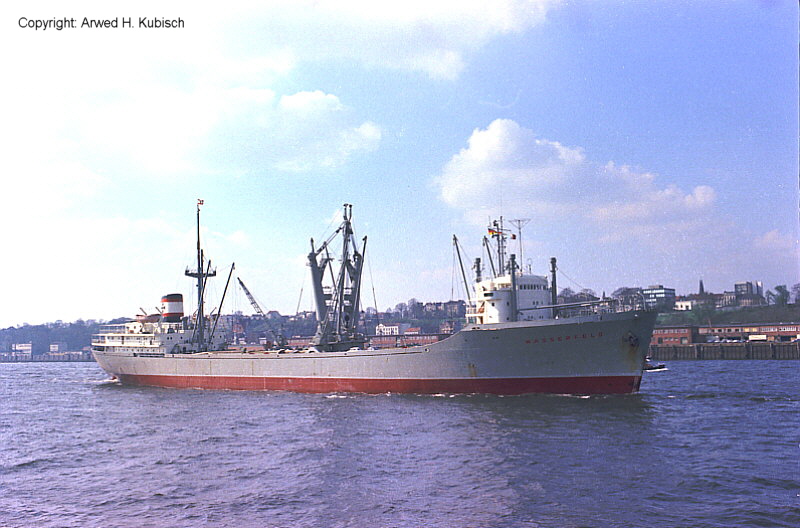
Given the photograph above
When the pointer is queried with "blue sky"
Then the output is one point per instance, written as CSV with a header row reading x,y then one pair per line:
x,y
648,142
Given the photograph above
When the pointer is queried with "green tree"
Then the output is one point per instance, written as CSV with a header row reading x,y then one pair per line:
x,y
567,295
587,294
702,314
781,295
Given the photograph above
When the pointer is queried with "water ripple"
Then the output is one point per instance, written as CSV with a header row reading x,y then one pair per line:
x,y
704,444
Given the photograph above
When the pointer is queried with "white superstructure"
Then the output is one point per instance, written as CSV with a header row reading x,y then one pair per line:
x,y
495,299
158,337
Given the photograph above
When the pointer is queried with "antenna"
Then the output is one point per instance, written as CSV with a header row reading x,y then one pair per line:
x,y
519,223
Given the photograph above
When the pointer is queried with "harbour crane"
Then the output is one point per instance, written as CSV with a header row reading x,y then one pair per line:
x,y
252,299
279,338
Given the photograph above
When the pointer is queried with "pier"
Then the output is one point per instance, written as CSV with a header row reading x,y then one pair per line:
x,y
6,357
747,350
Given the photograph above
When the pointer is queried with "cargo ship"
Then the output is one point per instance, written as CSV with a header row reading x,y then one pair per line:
x,y
517,339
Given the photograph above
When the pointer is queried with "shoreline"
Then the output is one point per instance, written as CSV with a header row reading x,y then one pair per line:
x,y
726,351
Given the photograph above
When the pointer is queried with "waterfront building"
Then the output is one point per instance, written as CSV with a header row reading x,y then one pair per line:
x,y
659,298
750,299
22,350
749,293
778,332
722,333
725,299
444,309
302,316
455,308
685,305
299,342
450,326
432,309
58,348
628,299
675,335
749,288
391,329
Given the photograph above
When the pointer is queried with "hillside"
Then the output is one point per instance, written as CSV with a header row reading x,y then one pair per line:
x,y
755,314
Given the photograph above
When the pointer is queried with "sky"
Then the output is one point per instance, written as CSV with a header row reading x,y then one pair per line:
x,y
646,142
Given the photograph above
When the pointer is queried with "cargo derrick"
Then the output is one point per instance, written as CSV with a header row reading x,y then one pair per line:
x,y
338,305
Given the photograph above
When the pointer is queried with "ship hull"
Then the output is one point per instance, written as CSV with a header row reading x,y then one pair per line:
x,y
508,386
601,354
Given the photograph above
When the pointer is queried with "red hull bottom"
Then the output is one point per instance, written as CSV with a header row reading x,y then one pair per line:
x,y
573,385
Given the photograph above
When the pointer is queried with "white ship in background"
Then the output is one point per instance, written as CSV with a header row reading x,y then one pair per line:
x,y
515,340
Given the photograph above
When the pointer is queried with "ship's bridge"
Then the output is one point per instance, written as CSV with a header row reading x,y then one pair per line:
x,y
494,302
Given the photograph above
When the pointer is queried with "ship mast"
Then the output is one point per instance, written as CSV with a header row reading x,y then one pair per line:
x,y
498,232
338,307
201,277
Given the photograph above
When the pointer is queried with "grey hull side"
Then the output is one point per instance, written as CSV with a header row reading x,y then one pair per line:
x,y
609,346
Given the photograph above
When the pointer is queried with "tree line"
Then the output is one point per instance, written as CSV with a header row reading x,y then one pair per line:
x,y
74,335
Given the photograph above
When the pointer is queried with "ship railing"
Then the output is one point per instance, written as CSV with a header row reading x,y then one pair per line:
x,y
112,328
572,309
136,340
164,326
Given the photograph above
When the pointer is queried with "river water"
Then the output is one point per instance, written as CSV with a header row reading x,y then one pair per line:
x,y
705,443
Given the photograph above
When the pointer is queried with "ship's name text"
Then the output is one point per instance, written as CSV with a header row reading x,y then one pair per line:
x,y
555,339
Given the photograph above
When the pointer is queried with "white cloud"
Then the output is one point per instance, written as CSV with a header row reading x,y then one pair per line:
x,y
173,102
104,265
614,223
429,37
239,238
170,102
311,131
305,103
507,169
41,185
702,196
157,129
775,241
506,164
